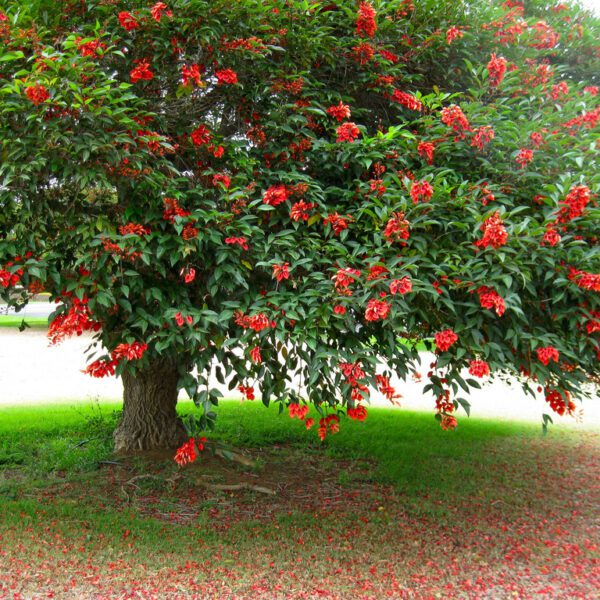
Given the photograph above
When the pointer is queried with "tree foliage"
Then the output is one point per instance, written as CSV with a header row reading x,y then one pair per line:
x,y
308,188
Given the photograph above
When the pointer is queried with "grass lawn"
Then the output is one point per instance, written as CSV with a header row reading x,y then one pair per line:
x,y
15,321
390,508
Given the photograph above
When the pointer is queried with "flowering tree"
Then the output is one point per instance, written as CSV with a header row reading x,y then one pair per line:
x,y
305,188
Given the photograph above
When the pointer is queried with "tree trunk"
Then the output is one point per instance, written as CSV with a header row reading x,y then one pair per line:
x,y
150,419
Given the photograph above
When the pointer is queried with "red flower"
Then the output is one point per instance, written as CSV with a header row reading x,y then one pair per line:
x,y
281,272
452,34
37,93
448,422
191,74
343,279
366,24
445,339
592,90
187,453
255,355
421,190
453,116
240,241
483,136
299,210
547,354
348,132
536,139
200,136
383,385
401,286
158,10
479,368
141,72
425,150
560,403
226,77
101,368
247,391
133,351
561,89
128,21
339,309
222,179
309,422
377,310
575,203
189,275
359,413
494,232
496,69
397,229
408,100
337,222
298,411
551,236
339,112
489,298
276,194
524,157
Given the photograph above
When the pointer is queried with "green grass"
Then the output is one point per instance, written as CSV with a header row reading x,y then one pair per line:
x,y
375,494
15,321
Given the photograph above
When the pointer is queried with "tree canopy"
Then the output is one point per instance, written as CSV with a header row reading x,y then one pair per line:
x,y
308,189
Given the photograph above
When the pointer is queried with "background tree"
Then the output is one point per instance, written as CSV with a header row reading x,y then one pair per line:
x,y
279,188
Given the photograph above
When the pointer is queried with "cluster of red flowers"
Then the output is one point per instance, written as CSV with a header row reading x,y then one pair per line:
x,y
172,210
37,93
348,132
545,36
560,402
200,136
90,48
426,150
397,229
384,386
128,21
577,199
134,229
141,72
242,242
357,413
247,391
343,279
559,90
551,236
524,157
586,281
255,355
421,191
547,354
489,298
483,136
281,272
276,194
76,320
187,452
298,411
339,111
10,279
337,222
226,77
158,10
191,75
300,210
448,422
453,33
188,274
366,24
494,233
377,310
329,424
407,100
496,69
181,320
401,286
103,367
256,322
445,339
479,368
354,374
453,116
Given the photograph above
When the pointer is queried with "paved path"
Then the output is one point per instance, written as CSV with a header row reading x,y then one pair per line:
x,y
32,372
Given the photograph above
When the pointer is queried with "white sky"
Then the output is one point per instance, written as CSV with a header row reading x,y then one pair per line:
x,y
593,4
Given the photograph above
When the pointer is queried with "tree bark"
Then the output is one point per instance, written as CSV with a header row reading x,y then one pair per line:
x,y
150,420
